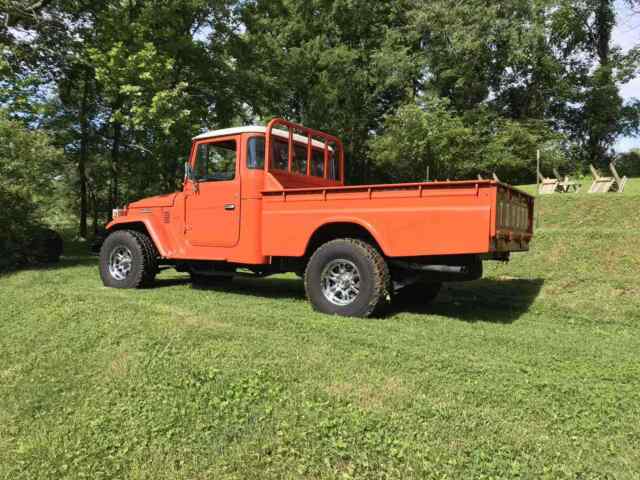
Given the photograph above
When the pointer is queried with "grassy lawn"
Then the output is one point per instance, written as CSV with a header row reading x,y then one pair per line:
x,y
533,371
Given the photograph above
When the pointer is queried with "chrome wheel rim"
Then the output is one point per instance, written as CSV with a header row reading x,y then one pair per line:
x,y
340,281
120,262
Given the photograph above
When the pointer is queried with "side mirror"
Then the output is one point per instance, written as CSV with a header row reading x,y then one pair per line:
x,y
188,172
190,175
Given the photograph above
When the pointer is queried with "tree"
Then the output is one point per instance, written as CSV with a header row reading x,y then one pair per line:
x,y
161,85
340,66
130,82
595,115
432,136
422,141
30,167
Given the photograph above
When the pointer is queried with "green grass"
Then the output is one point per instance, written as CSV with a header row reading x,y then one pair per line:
x,y
532,372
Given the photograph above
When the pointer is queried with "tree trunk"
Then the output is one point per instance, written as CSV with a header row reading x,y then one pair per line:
x,y
605,20
84,153
115,157
604,93
94,211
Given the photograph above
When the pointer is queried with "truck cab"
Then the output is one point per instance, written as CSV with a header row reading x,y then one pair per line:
x,y
272,199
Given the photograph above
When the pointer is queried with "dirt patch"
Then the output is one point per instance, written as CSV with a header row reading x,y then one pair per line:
x,y
120,365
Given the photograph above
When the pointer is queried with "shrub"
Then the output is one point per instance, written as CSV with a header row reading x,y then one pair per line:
x,y
431,134
29,164
24,239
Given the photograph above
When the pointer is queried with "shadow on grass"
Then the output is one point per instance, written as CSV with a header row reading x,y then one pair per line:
x,y
170,282
68,260
286,288
492,300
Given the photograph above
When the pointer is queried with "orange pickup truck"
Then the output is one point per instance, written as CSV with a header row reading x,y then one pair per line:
x,y
268,200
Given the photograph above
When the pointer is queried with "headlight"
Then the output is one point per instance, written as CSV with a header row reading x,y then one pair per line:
x,y
119,212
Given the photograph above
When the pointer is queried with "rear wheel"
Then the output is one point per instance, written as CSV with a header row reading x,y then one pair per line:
x,y
128,259
347,277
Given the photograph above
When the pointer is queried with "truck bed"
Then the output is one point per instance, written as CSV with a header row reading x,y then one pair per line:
x,y
411,219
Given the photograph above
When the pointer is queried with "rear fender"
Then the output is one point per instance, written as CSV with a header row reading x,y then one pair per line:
x,y
334,225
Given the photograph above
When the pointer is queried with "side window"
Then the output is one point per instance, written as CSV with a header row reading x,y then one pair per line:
x,y
255,159
216,161
280,155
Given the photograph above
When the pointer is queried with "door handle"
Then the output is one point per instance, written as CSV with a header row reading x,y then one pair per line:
x,y
230,206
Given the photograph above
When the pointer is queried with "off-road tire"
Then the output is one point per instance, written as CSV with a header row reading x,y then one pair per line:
x,y
151,257
144,265
375,289
420,293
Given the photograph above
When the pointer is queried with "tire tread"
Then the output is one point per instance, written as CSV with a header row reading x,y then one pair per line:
x,y
150,254
142,277
382,277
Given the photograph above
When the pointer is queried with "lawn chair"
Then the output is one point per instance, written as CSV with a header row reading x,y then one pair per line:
x,y
547,185
601,184
495,177
566,185
620,182
480,177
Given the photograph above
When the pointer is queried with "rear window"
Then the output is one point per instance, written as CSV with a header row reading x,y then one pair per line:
x,y
333,166
280,158
280,155
317,163
299,158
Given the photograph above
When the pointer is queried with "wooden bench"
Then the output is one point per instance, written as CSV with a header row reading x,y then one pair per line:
x,y
601,184
547,186
565,184
620,182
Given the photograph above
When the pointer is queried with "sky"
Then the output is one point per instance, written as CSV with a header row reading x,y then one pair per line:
x,y
627,35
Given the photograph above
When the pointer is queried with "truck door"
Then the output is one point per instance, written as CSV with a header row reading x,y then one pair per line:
x,y
212,216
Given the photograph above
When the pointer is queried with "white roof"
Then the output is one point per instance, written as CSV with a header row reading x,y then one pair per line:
x,y
256,129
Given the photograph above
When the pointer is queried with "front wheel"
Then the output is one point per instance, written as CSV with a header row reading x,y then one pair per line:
x,y
347,277
128,260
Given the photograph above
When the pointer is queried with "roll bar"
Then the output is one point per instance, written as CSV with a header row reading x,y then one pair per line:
x,y
310,134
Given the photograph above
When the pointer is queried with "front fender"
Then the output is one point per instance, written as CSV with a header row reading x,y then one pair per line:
x,y
147,223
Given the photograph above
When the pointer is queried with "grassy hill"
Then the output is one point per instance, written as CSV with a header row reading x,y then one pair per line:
x,y
533,371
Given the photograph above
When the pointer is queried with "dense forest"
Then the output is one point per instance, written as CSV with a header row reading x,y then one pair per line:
x,y
99,99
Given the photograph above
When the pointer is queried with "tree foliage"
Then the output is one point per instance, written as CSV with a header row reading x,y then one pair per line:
x,y
29,173
458,88
339,65
432,141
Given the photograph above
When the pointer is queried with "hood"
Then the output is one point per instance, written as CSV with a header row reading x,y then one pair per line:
x,y
157,201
